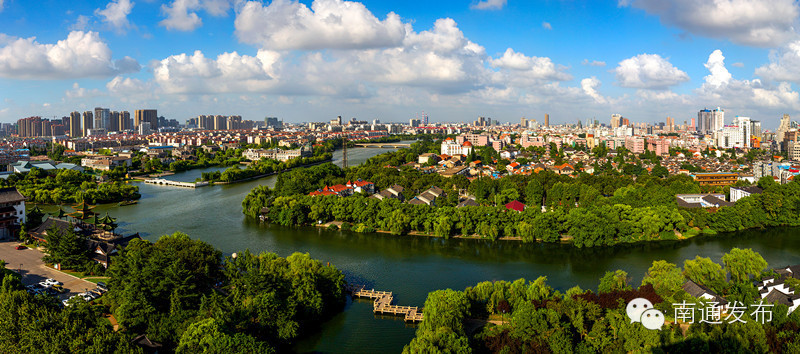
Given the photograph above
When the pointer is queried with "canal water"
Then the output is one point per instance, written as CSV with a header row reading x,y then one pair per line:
x,y
408,266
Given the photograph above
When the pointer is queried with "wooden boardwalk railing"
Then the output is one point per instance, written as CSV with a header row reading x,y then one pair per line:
x,y
383,303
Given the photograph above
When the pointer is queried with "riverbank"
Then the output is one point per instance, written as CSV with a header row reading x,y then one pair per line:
x,y
564,239
270,174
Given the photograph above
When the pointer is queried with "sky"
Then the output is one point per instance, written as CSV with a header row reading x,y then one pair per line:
x,y
455,60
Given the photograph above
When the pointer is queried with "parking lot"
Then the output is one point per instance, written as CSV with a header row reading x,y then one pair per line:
x,y
29,263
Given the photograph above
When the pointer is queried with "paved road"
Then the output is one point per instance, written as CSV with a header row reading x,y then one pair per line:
x,y
29,263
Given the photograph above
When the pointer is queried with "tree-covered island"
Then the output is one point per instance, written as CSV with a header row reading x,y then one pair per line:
x,y
611,206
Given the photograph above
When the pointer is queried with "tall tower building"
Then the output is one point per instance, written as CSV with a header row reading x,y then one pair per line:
x,y
782,129
146,115
101,118
704,120
523,122
719,118
616,119
75,124
88,123
756,128
547,120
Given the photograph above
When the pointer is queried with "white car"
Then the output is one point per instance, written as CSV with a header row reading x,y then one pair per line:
x,y
45,285
51,281
87,296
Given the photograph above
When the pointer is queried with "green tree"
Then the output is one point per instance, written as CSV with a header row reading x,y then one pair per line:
x,y
445,309
614,281
743,263
703,271
666,278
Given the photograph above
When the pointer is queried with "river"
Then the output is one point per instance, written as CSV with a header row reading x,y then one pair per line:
x,y
408,266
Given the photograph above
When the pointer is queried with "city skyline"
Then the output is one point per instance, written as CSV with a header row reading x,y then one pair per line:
x,y
455,61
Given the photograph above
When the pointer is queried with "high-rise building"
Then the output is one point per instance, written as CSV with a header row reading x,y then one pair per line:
x,y
719,118
146,115
756,129
113,122
616,119
102,117
88,123
523,122
75,124
547,120
710,120
414,122
782,129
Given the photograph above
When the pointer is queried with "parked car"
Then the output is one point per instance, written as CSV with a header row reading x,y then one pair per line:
x,y
95,293
44,285
59,288
52,281
100,290
102,285
88,296
21,247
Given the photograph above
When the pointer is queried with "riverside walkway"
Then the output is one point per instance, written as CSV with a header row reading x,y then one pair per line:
x,y
166,182
383,303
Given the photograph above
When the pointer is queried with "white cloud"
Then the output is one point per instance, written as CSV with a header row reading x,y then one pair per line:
x,y
81,24
488,5
720,86
181,15
1,5
784,64
648,71
116,14
547,25
537,68
79,92
229,72
720,75
81,54
288,24
749,22
593,62
589,86
738,64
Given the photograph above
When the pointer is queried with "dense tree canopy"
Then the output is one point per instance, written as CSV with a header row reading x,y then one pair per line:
x,y
181,292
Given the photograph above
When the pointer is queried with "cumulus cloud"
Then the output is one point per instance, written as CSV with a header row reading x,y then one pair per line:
x,y
288,24
648,71
181,15
116,14
720,86
748,22
784,64
537,68
81,54
229,72
80,92
589,86
488,5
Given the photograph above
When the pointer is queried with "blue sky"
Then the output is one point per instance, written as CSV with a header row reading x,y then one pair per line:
x,y
456,60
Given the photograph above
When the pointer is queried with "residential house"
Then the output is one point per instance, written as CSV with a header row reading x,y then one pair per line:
x,y
702,292
427,197
741,192
12,212
515,205
710,200
395,191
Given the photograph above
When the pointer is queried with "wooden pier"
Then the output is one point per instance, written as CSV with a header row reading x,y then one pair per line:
x,y
382,304
166,182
